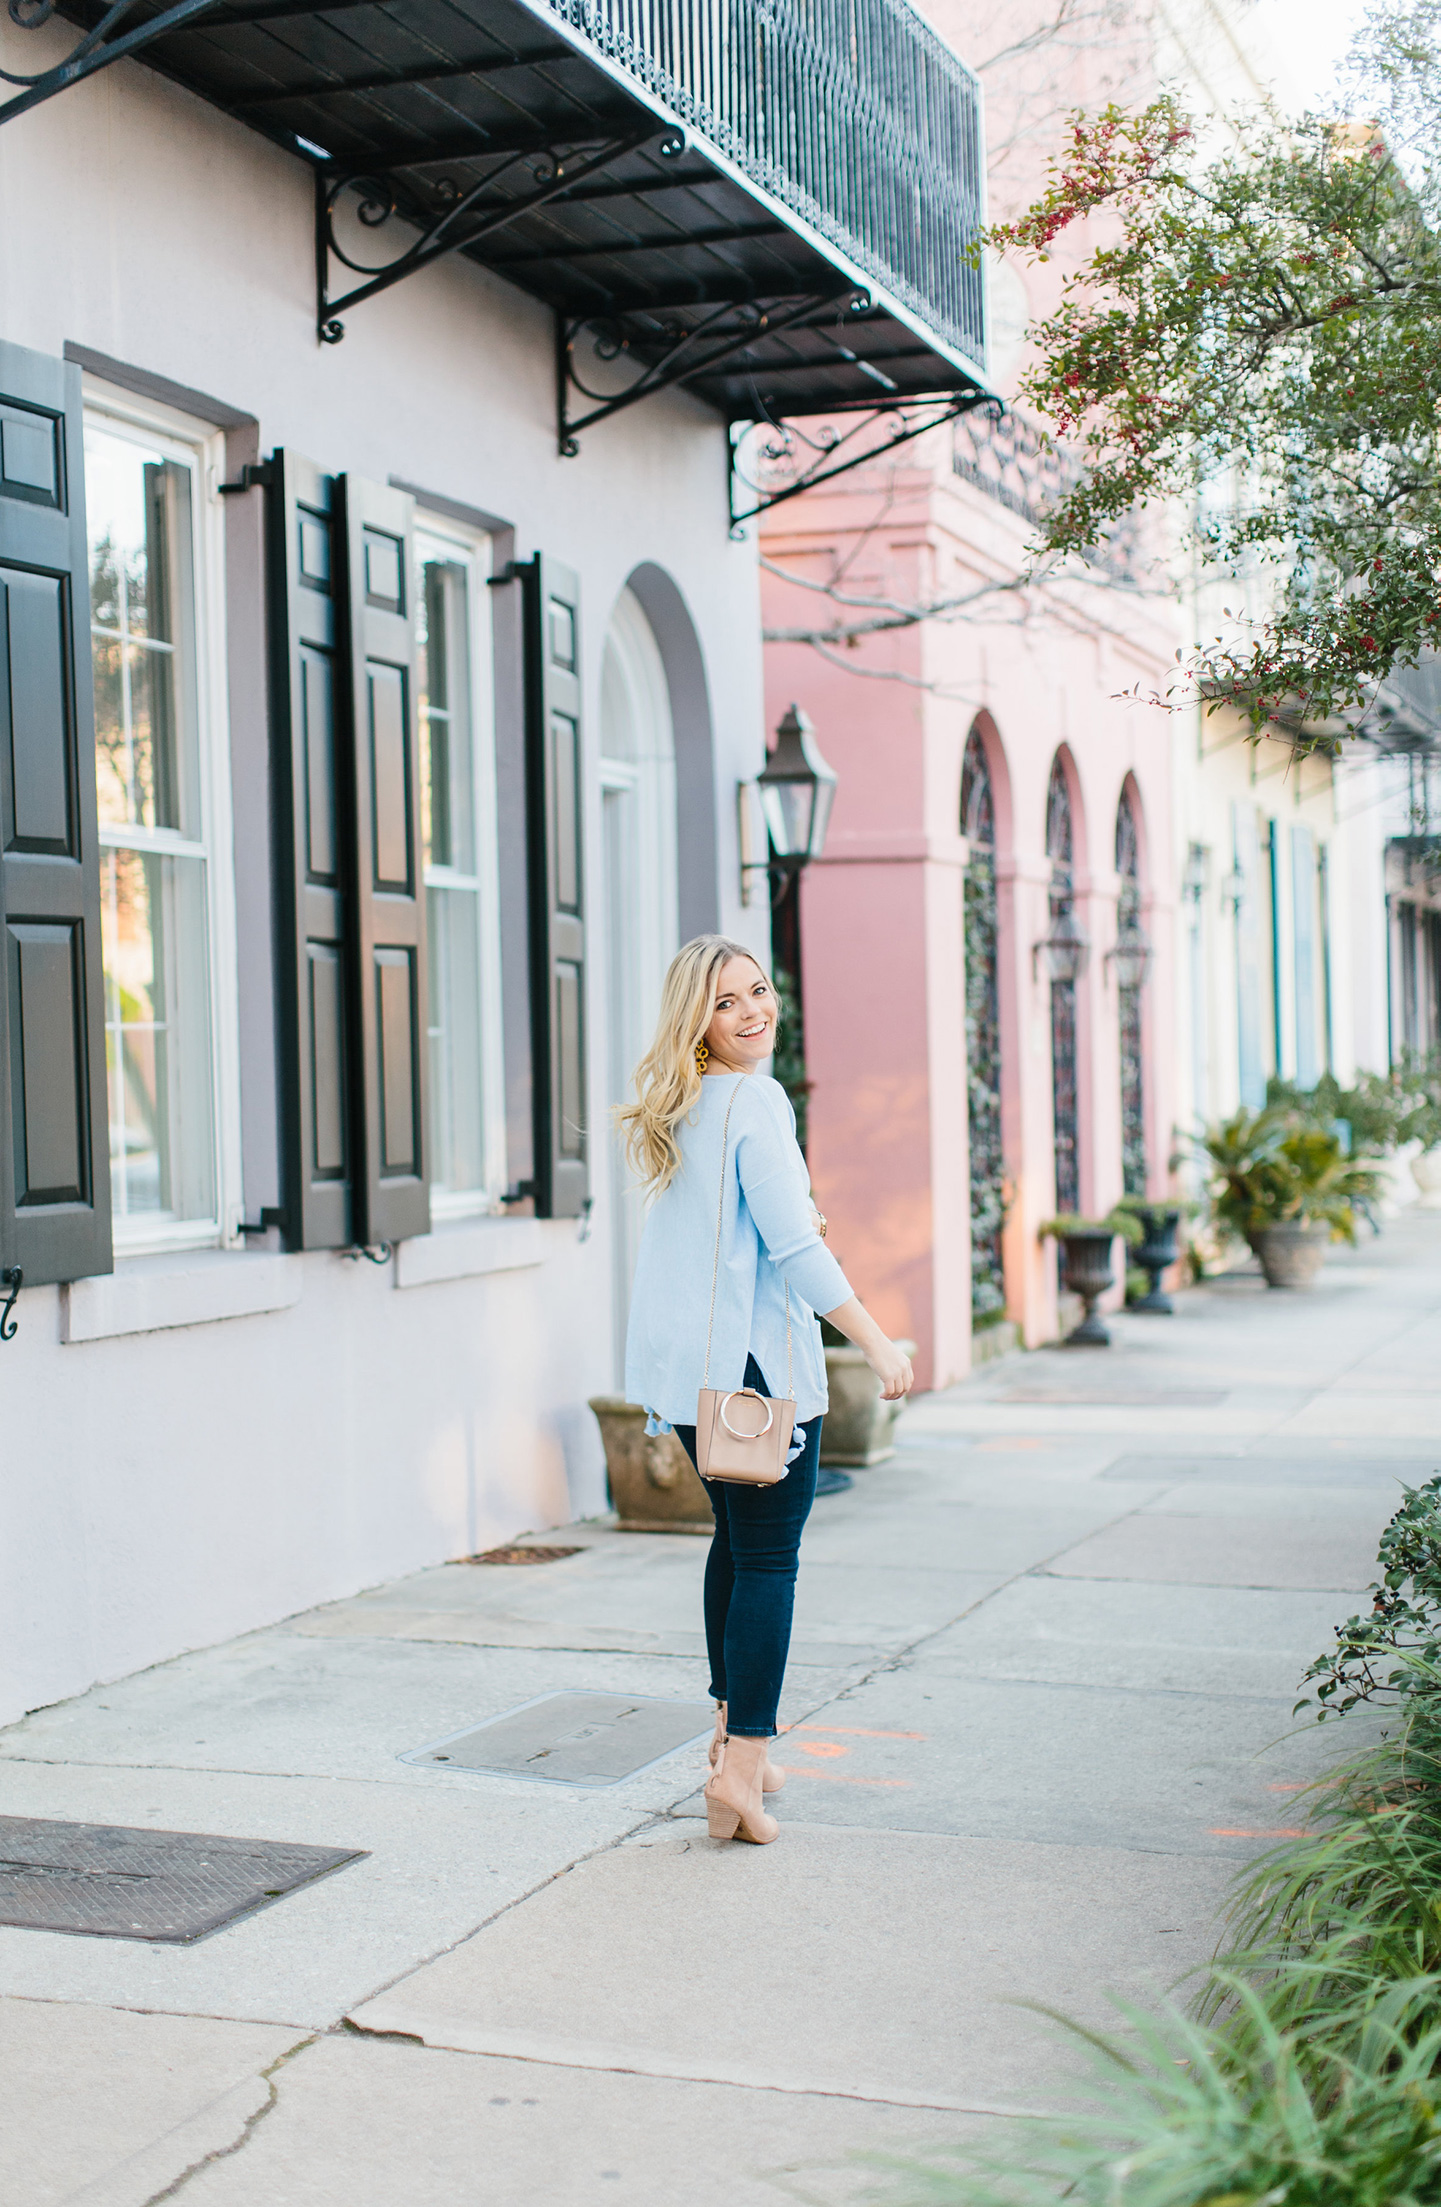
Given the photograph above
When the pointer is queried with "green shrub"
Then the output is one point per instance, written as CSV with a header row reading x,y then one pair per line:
x,y
1177,2116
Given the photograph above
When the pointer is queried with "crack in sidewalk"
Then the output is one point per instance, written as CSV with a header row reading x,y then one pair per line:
x,y
247,2129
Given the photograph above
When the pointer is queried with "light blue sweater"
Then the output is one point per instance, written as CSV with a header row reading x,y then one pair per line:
x,y
766,1242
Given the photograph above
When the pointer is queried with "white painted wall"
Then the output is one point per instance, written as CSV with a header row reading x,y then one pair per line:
x,y
165,1488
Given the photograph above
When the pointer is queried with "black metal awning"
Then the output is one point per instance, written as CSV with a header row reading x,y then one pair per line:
x,y
770,202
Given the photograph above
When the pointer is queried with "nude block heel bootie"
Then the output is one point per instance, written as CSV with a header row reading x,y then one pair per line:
x,y
733,1802
774,1777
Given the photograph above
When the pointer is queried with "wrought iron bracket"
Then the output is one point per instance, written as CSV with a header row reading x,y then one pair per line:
x,y
95,51
783,446
459,218
13,1278
688,353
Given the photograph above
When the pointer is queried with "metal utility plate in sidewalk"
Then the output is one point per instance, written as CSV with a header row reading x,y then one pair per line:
x,y
577,1739
114,1881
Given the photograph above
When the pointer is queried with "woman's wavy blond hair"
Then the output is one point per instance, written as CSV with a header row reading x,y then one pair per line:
x,y
667,1079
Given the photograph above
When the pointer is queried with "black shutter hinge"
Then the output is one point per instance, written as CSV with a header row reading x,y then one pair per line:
x,y
515,570
255,475
13,1278
520,1193
379,1252
268,1218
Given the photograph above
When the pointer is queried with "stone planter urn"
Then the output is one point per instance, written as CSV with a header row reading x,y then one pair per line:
x,y
653,1483
859,1426
1426,1172
1086,1271
1292,1252
1156,1254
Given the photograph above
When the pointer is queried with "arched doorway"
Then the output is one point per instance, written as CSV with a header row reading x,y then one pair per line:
x,y
983,1035
1133,1077
638,786
1060,851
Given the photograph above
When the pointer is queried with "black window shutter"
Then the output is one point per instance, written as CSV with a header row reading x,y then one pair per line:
x,y
392,1164
555,801
309,684
54,1141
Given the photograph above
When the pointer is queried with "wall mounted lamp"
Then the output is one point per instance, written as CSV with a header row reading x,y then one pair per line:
x,y
1064,952
785,812
1131,953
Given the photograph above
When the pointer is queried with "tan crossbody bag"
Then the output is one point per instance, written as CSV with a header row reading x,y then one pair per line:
x,y
741,1436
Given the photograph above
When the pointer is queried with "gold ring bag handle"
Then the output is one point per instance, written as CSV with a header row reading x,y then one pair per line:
x,y
723,1451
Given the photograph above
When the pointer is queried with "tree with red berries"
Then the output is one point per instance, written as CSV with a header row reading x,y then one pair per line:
x,y
1258,337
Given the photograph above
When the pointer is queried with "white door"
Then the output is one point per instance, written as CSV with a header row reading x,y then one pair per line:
x,y
641,904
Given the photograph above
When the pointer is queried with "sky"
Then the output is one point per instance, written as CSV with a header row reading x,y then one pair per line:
x,y
1312,36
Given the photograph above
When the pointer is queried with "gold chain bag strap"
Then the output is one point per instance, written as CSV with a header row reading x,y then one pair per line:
x,y
741,1436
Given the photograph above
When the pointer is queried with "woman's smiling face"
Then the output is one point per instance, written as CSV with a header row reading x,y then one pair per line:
x,y
742,1032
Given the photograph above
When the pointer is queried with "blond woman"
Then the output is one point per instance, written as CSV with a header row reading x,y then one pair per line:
x,y
717,1029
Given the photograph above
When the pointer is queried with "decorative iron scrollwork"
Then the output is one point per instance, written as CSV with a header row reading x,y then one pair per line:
x,y
13,1278
457,218
775,460
721,335
96,50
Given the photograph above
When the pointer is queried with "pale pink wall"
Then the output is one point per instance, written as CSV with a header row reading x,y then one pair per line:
x,y
882,915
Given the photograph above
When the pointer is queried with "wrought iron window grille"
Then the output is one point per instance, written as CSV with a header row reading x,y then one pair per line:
x,y
1010,460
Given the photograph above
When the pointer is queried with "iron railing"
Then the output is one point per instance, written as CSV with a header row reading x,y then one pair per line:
x,y
853,114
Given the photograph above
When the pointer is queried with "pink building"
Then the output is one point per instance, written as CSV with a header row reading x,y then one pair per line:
x,y
997,792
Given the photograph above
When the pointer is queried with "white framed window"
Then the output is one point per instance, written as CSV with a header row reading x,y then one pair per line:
x,y
459,832
163,796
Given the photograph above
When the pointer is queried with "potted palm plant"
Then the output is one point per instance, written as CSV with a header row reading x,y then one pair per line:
x,y
1086,1246
1422,1124
1286,1186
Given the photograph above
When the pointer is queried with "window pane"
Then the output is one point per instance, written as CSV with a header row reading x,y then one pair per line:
x,y
142,607
455,1090
447,779
157,1035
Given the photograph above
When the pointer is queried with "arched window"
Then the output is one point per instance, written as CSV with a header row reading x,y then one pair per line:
x,y
1059,842
983,1036
1128,924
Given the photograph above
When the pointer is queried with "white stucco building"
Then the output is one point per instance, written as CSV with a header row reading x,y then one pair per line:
x,y
417,735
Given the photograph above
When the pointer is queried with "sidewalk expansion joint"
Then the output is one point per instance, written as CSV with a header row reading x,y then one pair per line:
x,y
269,2077
898,1659
643,1823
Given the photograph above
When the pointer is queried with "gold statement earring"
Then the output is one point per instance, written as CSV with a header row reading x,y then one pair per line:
x,y
702,1056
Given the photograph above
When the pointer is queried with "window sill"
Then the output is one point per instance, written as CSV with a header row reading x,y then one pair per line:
x,y
461,1252
149,1294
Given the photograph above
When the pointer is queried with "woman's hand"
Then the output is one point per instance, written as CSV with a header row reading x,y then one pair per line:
x,y
891,1365
892,1368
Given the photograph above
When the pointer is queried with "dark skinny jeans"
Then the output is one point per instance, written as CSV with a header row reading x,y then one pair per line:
x,y
750,1579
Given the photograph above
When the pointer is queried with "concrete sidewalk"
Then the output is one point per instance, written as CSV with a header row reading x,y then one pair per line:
x,y
1040,1703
